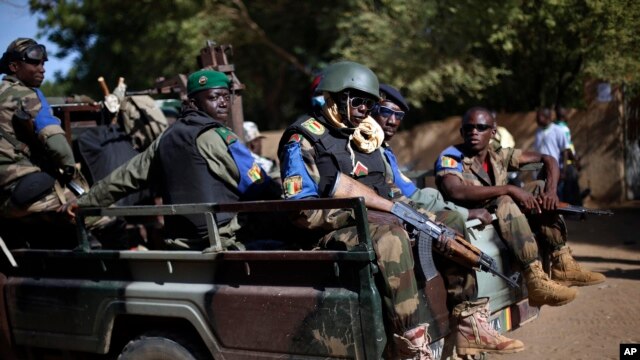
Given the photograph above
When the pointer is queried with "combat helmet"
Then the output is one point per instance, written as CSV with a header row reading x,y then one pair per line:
x,y
349,75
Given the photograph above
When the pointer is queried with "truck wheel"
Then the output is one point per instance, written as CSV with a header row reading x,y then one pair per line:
x,y
156,347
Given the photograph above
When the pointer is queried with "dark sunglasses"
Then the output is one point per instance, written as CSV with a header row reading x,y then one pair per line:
x,y
386,113
480,127
356,102
34,54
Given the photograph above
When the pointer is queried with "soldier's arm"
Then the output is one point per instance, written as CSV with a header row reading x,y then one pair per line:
x,y
431,200
549,199
301,180
126,179
232,161
214,150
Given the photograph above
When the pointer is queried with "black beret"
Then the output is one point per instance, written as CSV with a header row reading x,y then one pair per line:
x,y
389,92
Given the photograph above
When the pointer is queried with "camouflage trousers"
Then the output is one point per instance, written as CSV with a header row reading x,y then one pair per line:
x,y
397,283
459,281
49,203
395,259
39,224
520,231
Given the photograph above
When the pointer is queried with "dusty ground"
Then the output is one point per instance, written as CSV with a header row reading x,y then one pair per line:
x,y
603,316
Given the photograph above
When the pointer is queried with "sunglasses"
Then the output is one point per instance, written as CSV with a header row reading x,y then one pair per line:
x,y
386,112
34,54
467,128
356,102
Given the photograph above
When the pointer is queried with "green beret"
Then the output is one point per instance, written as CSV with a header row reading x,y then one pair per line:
x,y
206,79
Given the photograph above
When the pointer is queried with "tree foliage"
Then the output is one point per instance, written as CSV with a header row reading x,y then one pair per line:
x,y
507,54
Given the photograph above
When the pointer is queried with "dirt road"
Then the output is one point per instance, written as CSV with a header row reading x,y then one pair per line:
x,y
603,316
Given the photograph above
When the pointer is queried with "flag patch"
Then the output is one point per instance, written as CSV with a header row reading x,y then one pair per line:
x,y
254,173
448,162
295,138
313,126
292,185
360,170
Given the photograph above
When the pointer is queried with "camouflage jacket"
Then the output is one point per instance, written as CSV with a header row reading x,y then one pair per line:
x,y
16,161
455,161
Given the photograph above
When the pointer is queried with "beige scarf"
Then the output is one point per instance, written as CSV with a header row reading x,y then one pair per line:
x,y
367,137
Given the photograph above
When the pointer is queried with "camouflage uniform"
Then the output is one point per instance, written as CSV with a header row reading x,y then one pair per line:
x,y
515,228
16,162
142,171
391,242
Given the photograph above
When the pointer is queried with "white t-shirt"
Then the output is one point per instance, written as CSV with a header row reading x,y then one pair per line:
x,y
551,141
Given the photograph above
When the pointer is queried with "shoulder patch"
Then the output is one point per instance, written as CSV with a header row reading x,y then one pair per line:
x,y
254,173
292,185
360,170
295,138
448,162
314,126
227,135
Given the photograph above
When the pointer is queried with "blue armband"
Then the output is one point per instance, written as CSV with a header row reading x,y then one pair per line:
x,y
402,182
252,177
449,160
45,116
297,182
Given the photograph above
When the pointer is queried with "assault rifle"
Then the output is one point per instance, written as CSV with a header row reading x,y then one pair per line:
x,y
580,211
456,248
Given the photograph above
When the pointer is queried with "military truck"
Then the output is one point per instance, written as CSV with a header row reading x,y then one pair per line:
x,y
269,302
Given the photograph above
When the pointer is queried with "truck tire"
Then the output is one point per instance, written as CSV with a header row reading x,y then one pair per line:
x,y
157,347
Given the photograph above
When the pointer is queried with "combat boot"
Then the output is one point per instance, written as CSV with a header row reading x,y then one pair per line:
x,y
474,334
414,344
566,270
544,291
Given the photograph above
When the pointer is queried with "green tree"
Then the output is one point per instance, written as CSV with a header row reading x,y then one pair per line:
x,y
446,56
552,46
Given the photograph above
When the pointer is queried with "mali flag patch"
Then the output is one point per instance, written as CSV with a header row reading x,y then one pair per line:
x,y
314,126
448,162
255,174
292,185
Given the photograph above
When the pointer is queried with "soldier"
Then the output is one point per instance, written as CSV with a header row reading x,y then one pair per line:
x,y
36,159
197,160
474,174
340,139
460,282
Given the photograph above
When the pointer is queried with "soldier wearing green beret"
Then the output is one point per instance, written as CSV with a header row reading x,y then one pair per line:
x,y
35,157
198,160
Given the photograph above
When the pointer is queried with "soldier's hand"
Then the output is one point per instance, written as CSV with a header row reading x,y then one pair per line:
x,y
69,209
548,200
445,241
481,214
525,199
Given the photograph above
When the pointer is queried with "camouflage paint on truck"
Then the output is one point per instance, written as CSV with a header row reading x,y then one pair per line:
x,y
238,305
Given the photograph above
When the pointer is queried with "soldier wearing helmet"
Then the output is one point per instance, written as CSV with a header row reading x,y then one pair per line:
x,y
197,160
340,139
36,159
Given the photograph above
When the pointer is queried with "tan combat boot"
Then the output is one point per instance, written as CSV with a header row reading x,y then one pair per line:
x,y
544,291
414,344
474,334
566,270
